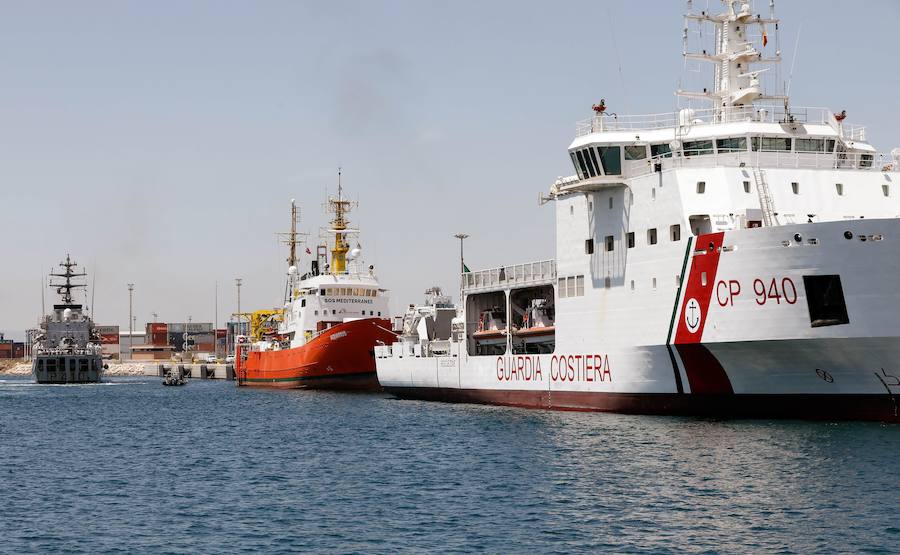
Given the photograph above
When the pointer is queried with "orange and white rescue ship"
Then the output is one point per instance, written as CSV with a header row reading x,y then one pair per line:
x,y
333,317
740,259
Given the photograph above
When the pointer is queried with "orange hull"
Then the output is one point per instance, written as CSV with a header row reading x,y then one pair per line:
x,y
342,357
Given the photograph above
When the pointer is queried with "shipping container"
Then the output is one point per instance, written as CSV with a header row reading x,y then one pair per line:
x,y
190,327
109,338
157,327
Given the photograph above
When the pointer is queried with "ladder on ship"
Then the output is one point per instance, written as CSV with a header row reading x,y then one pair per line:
x,y
765,197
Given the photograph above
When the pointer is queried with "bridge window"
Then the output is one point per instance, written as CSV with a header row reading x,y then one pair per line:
x,y
771,144
675,232
662,150
635,152
588,246
732,144
651,236
584,172
561,287
579,286
610,243
610,156
829,145
810,145
629,239
592,170
865,161
593,161
575,163
697,148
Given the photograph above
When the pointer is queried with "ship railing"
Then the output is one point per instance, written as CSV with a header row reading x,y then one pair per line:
x,y
852,132
531,273
872,161
687,118
767,159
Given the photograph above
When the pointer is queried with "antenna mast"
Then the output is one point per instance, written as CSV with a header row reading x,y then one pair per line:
x,y
340,208
735,84
65,289
293,238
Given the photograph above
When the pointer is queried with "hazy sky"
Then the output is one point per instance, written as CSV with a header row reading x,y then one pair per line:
x,y
160,142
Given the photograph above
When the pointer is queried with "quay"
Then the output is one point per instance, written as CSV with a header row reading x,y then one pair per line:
x,y
194,371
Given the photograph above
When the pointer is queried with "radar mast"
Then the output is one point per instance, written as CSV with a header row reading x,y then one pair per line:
x,y
340,207
737,34
65,289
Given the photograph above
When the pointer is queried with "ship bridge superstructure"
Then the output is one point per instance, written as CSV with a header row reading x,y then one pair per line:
x,y
733,138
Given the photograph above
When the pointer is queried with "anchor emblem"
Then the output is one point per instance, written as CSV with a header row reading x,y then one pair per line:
x,y
692,315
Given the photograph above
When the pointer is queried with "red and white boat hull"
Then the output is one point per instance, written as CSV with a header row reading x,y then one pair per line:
x,y
341,357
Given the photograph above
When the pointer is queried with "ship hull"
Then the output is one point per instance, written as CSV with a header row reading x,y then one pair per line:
x,y
744,335
67,369
807,379
807,407
341,358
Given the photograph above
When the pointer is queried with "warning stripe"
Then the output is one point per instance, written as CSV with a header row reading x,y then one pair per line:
x,y
698,291
704,372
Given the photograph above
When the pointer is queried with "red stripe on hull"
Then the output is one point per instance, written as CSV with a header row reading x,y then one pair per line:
x,y
343,357
704,372
699,287
879,408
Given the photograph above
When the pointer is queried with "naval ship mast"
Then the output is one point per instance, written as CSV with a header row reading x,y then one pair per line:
x,y
65,289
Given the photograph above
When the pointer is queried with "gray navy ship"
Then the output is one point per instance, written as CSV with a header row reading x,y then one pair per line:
x,y
67,347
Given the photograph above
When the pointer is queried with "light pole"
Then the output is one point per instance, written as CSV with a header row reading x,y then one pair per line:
x,y
237,282
462,265
130,322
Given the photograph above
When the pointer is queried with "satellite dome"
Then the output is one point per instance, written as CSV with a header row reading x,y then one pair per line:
x,y
67,314
292,270
354,254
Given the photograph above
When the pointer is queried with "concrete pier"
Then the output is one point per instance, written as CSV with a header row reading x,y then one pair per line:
x,y
195,371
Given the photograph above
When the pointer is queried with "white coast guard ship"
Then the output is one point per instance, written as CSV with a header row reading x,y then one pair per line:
x,y
740,260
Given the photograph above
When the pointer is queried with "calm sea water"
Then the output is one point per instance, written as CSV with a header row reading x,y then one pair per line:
x,y
131,466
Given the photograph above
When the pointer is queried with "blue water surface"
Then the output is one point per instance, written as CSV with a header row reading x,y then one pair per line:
x,y
131,466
